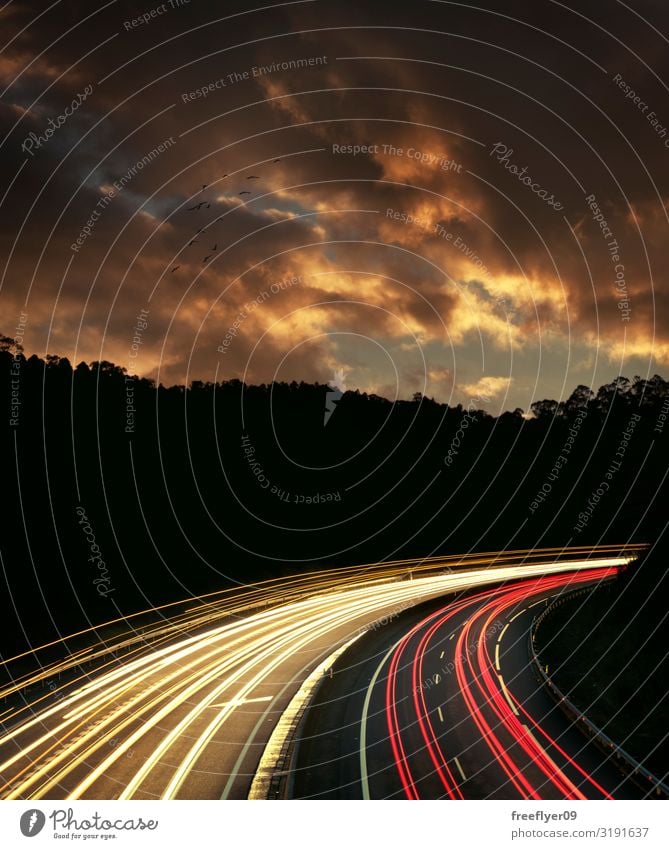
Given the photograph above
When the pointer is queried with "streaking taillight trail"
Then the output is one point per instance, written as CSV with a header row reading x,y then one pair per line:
x,y
493,709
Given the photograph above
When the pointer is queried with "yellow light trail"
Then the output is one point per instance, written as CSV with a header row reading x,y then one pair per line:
x,y
171,696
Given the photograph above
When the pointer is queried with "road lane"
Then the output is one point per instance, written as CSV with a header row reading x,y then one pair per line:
x,y
182,706
454,725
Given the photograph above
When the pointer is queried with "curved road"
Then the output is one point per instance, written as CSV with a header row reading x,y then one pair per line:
x,y
181,702
453,709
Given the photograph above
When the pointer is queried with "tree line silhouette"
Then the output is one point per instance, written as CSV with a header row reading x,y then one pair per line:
x,y
161,492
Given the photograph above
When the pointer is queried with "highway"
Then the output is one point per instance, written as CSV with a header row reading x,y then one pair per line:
x,y
451,707
182,702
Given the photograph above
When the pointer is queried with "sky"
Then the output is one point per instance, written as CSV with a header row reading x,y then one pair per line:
x,y
466,200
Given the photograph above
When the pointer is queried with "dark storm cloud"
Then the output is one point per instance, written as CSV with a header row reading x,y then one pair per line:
x,y
450,237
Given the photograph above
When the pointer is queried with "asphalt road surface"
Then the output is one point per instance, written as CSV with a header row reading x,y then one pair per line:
x,y
447,704
182,702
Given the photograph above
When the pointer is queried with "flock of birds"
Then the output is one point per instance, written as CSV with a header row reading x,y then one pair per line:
x,y
205,204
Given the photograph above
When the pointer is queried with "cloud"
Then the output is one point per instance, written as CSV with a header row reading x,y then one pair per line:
x,y
487,387
410,240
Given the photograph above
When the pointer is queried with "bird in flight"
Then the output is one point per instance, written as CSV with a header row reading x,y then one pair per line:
x,y
245,193
277,160
215,248
197,206
193,242
207,258
253,177
204,186
175,268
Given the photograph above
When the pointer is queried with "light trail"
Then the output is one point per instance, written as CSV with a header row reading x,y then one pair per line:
x,y
528,764
160,699
144,631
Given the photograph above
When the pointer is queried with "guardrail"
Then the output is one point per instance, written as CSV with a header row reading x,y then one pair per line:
x,y
624,760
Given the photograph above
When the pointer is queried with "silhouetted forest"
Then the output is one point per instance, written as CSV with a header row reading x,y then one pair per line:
x,y
120,495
